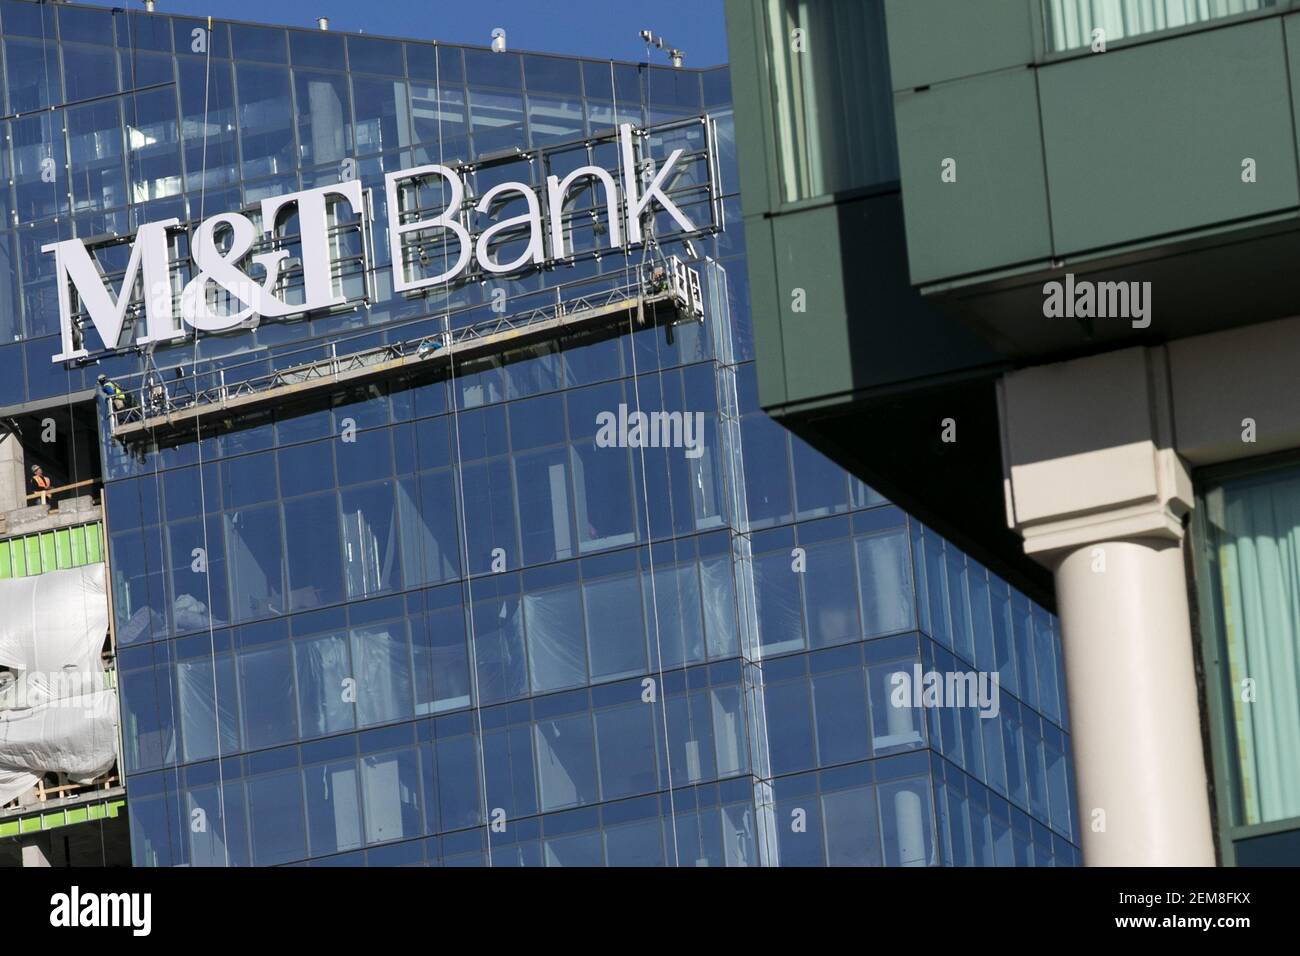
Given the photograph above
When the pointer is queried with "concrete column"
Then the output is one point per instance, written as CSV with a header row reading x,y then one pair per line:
x,y
13,479
1098,494
36,850
1132,692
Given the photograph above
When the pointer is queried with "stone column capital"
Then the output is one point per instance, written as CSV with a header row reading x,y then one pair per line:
x,y
1088,453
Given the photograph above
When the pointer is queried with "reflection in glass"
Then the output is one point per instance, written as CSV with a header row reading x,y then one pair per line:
x,y
381,668
275,810
195,686
324,117
885,580
557,655
265,120
566,765
254,562
266,689
391,785
333,807
324,669
370,553
615,628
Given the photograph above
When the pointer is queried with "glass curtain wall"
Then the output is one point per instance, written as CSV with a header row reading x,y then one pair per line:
x,y
437,622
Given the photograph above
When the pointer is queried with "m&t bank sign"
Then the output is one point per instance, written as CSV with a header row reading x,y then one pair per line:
x,y
238,269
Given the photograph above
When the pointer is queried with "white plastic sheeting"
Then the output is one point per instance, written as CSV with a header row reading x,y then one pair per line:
x,y
57,712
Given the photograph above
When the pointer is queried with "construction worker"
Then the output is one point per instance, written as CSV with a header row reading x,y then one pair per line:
x,y
112,392
40,482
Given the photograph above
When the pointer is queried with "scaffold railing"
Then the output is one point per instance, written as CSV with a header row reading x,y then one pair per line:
x,y
671,294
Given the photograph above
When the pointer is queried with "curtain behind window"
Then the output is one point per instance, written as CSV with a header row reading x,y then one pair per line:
x,y
1070,23
1255,534
831,94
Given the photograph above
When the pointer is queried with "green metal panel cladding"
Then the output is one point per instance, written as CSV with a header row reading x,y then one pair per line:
x,y
973,184
1150,140
931,41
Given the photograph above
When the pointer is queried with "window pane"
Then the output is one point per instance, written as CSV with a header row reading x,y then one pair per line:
x,y
831,592
625,739
153,145
33,76
604,502
95,150
554,119
324,117
266,689
224,841
370,547
545,526
333,807
776,587
834,109
615,629
196,685
840,702
441,661
790,726
453,766
729,730
511,778
821,486
88,72
905,812
720,625
381,667
383,120
799,846
499,643
886,583
489,514
767,477
497,120
147,737
38,151
390,783
325,694
207,124
197,582
895,723
675,597
557,653
852,827
265,120
690,738
311,533
635,844
566,765
254,561
276,810
430,538
1070,24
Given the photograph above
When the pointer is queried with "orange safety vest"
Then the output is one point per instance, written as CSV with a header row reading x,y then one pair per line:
x,y
42,482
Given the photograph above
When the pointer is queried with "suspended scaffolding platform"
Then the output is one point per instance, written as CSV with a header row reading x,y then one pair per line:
x,y
671,298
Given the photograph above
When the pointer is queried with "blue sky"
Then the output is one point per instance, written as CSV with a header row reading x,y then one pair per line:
x,y
603,28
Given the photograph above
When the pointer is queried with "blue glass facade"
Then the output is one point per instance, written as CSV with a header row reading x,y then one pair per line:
x,y
436,621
